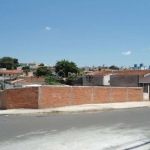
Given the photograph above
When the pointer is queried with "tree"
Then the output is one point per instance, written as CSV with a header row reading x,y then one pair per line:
x,y
26,69
63,67
113,67
70,80
9,63
41,64
16,63
52,80
42,72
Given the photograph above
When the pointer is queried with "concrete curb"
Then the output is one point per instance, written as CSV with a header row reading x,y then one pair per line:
x,y
89,108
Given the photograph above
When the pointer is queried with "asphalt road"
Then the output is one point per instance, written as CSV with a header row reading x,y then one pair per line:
x,y
127,129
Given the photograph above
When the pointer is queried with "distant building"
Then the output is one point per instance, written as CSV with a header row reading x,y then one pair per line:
x,y
97,78
32,66
123,68
23,64
135,66
11,73
19,68
140,67
86,68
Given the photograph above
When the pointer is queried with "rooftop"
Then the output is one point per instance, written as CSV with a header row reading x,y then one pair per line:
x,y
133,72
102,72
122,72
11,71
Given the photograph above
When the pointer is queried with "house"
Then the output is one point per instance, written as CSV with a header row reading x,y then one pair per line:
x,y
132,78
8,76
127,78
32,66
97,78
11,73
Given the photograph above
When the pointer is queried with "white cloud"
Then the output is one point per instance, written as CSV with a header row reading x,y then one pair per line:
x,y
48,28
126,53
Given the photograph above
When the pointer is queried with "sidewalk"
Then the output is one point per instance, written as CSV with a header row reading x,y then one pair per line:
x,y
76,108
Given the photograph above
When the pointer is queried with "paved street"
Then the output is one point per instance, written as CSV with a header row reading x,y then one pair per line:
x,y
127,129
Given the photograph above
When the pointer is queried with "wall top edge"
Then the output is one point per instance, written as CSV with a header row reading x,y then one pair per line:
x,y
90,87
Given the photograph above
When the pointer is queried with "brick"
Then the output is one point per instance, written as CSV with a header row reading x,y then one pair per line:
x,y
135,94
81,95
21,98
119,95
101,95
52,96
58,96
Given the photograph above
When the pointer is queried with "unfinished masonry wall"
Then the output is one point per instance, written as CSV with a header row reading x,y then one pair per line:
x,y
56,96
33,80
3,99
19,98
52,96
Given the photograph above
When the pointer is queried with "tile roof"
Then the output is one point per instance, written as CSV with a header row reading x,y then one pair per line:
x,y
133,72
96,73
11,71
123,72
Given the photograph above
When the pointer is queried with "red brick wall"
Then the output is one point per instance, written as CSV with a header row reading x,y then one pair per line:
x,y
3,99
118,95
20,98
135,94
101,95
33,80
81,95
54,96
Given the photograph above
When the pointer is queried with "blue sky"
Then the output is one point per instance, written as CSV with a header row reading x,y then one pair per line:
x,y
87,32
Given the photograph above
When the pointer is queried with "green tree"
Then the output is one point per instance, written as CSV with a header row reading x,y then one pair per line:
x,y
42,72
70,80
16,63
26,69
41,64
113,67
9,63
52,80
63,67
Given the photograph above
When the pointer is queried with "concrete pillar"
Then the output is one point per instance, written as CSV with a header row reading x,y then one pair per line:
x,y
110,94
39,97
127,95
148,88
71,95
141,94
92,95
